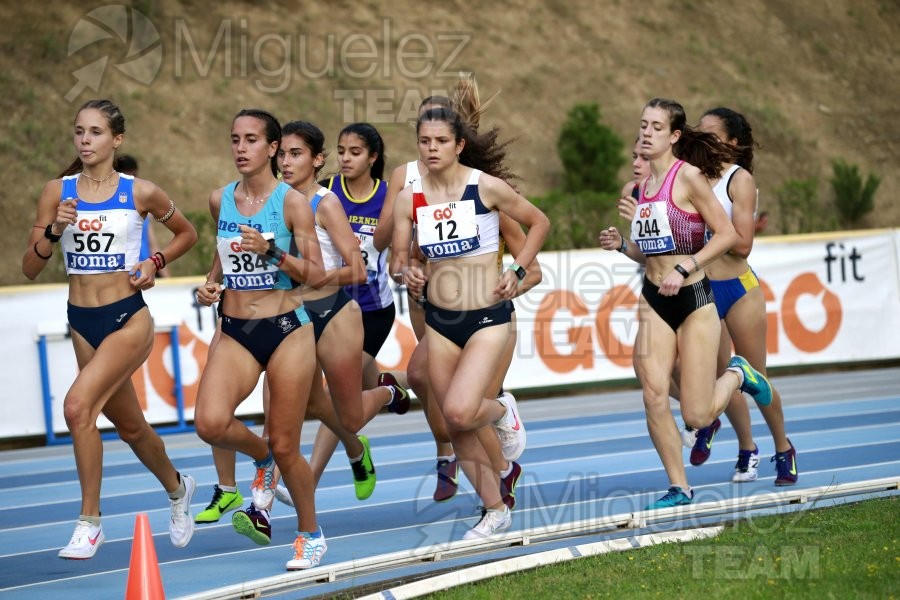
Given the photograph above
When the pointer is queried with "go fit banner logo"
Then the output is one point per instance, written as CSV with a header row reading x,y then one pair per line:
x,y
269,59
622,300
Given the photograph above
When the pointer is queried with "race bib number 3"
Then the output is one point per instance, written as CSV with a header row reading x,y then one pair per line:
x,y
369,254
244,271
650,228
96,243
446,230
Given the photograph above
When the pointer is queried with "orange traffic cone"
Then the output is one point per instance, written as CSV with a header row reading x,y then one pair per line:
x,y
144,580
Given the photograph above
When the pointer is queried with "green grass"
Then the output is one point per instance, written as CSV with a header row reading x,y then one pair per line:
x,y
849,551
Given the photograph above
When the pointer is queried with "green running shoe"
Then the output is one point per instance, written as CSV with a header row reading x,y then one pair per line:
x,y
222,502
364,472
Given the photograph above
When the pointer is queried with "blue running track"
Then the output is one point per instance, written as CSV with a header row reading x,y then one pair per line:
x,y
588,456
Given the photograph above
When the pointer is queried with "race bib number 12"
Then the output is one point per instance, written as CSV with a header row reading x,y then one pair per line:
x,y
447,230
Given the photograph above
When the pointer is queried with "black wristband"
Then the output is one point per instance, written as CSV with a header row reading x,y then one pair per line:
x,y
276,255
48,233
682,270
624,247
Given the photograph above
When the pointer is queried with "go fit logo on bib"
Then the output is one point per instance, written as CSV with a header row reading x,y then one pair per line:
x,y
622,297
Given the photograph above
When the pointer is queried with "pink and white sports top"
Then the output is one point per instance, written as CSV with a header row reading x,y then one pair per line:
x,y
659,227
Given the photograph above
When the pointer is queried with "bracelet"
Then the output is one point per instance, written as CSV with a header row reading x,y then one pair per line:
x,y
624,247
281,259
41,255
696,264
169,214
156,262
48,233
162,257
682,270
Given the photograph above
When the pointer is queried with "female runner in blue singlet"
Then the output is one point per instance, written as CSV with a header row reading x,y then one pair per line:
x,y
97,214
266,246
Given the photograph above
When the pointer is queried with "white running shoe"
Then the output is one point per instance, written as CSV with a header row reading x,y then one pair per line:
x,y
510,428
283,495
491,523
263,486
747,466
85,541
308,552
181,525
688,437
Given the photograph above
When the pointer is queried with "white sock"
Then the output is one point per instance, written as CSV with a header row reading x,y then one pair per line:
x,y
179,492
740,374
502,419
505,472
358,458
228,488
449,458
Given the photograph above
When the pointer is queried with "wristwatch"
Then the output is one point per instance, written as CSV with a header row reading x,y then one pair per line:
x,y
519,271
48,233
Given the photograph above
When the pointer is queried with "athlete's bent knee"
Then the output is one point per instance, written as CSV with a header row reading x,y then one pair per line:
x,y
696,417
210,430
352,423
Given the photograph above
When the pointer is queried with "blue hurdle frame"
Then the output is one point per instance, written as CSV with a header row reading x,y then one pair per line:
x,y
182,425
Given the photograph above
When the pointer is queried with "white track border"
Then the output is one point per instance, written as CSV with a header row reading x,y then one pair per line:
x,y
733,508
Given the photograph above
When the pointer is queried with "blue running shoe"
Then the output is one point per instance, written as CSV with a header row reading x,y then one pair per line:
x,y
755,383
674,497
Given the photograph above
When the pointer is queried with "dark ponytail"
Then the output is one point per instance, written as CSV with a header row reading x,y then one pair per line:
x,y
467,101
737,128
703,150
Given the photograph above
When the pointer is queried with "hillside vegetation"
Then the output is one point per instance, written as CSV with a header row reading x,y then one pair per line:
x,y
818,80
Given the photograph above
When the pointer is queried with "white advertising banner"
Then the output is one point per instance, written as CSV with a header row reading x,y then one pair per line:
x,y
831,298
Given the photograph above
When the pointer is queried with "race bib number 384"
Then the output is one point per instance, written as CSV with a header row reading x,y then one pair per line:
x,y
446,230
244,270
